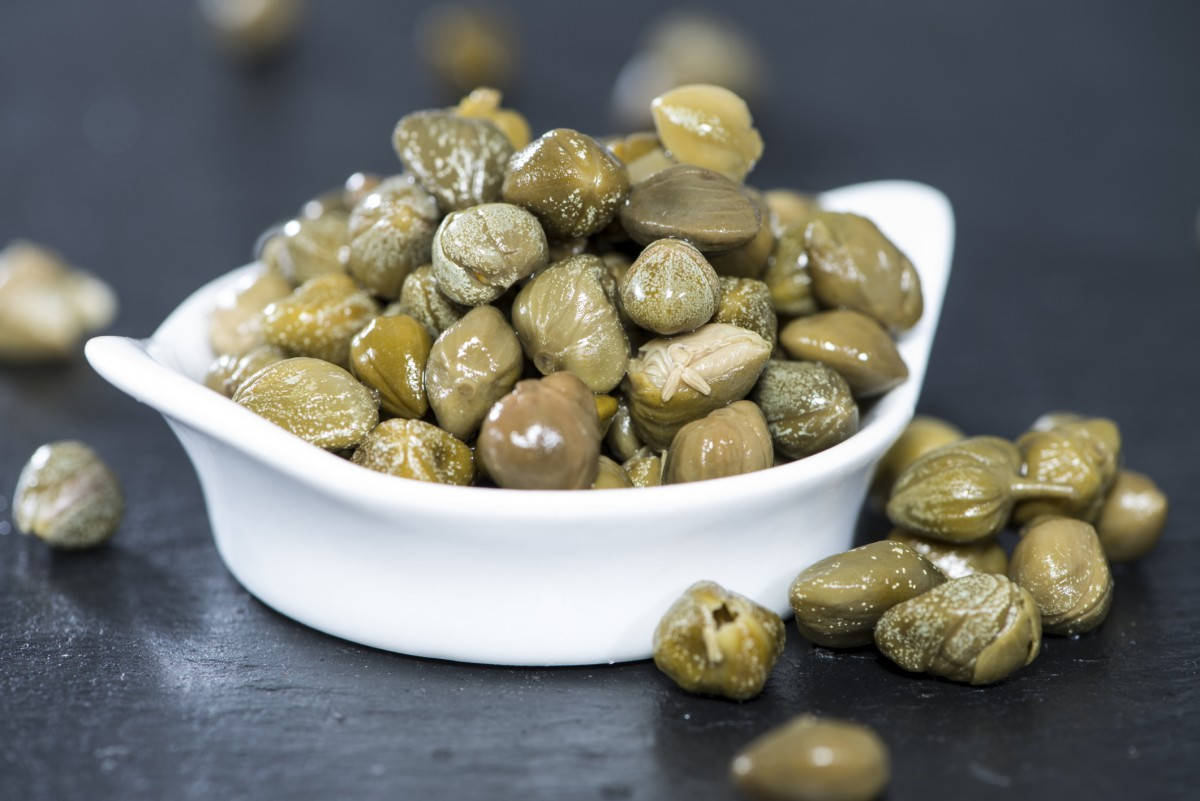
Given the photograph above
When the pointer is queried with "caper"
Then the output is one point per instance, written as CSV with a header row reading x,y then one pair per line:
x,y
1082,454
313,399
610,475
417,450
922,435
236,324
389,355
708,126
67,496
839,599
956,559
749,260
472,365
787,275
543,435
1132,518
231,370
466,46
458,160
357,186
671,288
725,442
976,629
421,299
391,234
606,410
621,439
789,209
851,343
693,204
716,642
1061,563
480,252
631,146
808,407
813,759
320,318
644,468
253,29
648,164
746,303
305,248
484,103
1052,420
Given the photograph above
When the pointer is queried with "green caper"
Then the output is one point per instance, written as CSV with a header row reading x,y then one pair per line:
x,y
253,31
726,442
458,160
480,252
690,203
236,324
305,248
484,103
808,406
423,300
230,371
320,318
644,468
1082,454
610,475
1061,563
390,234
465,46
749,260
922,435
708,126
473,364
851,343
746,302
389,355
67,496
1132,518
417,450
671,288
953,559
787,275
621,439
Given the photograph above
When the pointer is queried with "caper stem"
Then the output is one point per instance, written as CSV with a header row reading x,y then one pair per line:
x,y
1038,489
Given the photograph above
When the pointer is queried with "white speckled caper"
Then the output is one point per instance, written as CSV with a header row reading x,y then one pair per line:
x,y
390,234
808,406
67,496
417,450
458,160
671,288
480,252
320,318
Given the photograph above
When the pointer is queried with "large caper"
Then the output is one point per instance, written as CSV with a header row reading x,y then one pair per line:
x,y
610,475
471,365
1132,518
725,442
230,371
708,126
484,103
389,355
746,302
236,324
415,449
787,275
808,406
976,629
320,318
459,160
307,247
390,234
851,343
954,559
480,252
839,599
1082,454
922,435
671,288
1061,563
423,300
67,496
716,642
749,260
644,468
693,204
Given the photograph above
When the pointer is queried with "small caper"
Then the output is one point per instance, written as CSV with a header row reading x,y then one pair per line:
x,y
789,209
305,247
610,475
320,318
357,186
389,355
851,343
922,435
749,260
1082,454
648,165
716,642
1061,563
480,252
458,160
423,300
466,46
231,370
236,324
471,365
1052,420
644,468
484,103
725,442
708,126
391,234
671,288
67,496
808,406
1132,518
956,560
253,29
621,439
417,450
691,203
631,146
787,276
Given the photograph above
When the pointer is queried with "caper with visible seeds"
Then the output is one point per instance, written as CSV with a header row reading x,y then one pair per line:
x,y
956,559
787,276
808,406
610,475
922,435
320,318
644,468
691,203
305,248
1061,563
671,288
1082,454
67,496
1132,518
236,324
708,126
725,442
231,370
484,103
851,343
458,160
471,365
423,300
478,253
417,450
390,234
389,355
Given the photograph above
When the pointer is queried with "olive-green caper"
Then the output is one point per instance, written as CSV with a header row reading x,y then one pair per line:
x,y
1052,420
423,300
610,475
813,759
1082,454
716,642
236,324
976,629
1061,563
851,343
357,186
621,439
317,401
922,435
787,275
808,406
789,209
390,234
304,248
569,180
543,435
389,355
725,442
954,559
691,203
320,318
484,103
746,302
231,370
417,450
458,160
671,288
749,260
708,126
465,46
644,468
839,599
67,496
1132,518
480,252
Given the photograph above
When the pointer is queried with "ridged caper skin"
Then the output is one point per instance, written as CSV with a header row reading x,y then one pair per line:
x,y
68,497
473,364
851,343
390,234
458,160
610,475
1083,455
670,289
922,435
956,560
389,355
230,371
691,203
787,276
725,442
746,302
749,260
417,450
1061,563
478,253
976,629
317,401
423,300
307,247
644,468
813,759
716,642
1132,518
708,126
808,407
236,324
838,600
320,318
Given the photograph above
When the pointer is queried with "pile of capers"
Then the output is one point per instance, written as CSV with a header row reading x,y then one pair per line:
x,y
628,303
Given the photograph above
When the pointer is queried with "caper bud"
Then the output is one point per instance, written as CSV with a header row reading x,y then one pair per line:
x,y
647,165
787,276
356,188
305,248
231,370
746,302
725,442
417,450
459,160
808,407
390,234
1132,518
484,103
691,203
1082,454
631,146
567,320
252,29
671,288
389,355
814,759
1052,420
236,324
716,642
466,46
606,410
976,629
621,439
480,252
472,365
922,435
320,318
67,496
569,180
708,126
749,260
1061,563
839,599
542,435
644,468
313,399
421,299
954,559
789,209
610,475
851,343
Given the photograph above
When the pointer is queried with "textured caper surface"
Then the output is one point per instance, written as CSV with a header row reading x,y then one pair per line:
x,y
956,560
838,600
1081,454
691,203
610,475
67,496
1132,518
671,288
708,126
851,343
484,103
725,442
389,355
313,399
320,318
644,468
459,160
787,275
808,406
421,299
567,320
746,303
976,629
543,435
621,439
228,372
674,381
789,209
471,365
480,252
236,324
716,642
1061,563
922,435
307,247
749,260
390,234
569,180
813,759
415,449
854,266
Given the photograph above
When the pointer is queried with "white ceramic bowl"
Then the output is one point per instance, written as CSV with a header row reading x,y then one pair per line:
x,y
501,576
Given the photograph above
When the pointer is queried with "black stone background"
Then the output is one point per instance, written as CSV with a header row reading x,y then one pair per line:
x,y
1066,134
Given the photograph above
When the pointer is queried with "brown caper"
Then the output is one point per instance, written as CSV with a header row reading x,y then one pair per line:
x,y
725,442
708,126
305,247
1061,563
922,435
693,204
423,300
480,252
716,642
787,276
458,160
229,371
839,599
484,103
465,46
746,302
67,496
610,475
789,209
808,406
621,439
389,355
749,260
1082,454
953,559
851,343
236,324
671,288
390,234
976,629
644,468
417,450
471,365
1132,518
320,318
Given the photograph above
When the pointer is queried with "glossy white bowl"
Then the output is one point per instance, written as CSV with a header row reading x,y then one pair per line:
x,y
501,576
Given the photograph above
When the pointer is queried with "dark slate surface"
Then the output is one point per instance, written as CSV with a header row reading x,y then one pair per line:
x,y
1068,138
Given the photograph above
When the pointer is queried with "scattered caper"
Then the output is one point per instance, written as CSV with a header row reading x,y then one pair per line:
x,y
389,355
471,365
1132,518
610,475
922,435
231,370
708,126
67,496
725,442
693,204
851,343
1061,563
808,406
320,318
417,450
671,288
956,560
458,160
480,252
1082,454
